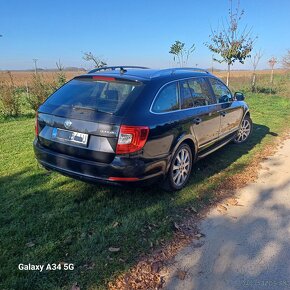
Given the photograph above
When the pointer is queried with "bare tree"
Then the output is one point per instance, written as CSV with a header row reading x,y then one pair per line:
x,y
255,59
231,43
179,50
59,65
272,61
286,60
98,62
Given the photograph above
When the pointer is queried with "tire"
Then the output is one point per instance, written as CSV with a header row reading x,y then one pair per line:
x,y
245,131
180,169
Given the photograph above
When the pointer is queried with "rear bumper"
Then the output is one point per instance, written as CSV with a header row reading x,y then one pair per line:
x,y
121,171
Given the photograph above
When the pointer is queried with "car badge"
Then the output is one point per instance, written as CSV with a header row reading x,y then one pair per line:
x,y
67,124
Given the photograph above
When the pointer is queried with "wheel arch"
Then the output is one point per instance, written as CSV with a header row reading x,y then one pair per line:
x,y
246,113
190,141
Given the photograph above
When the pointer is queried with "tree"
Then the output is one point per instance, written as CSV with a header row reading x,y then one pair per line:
x,y
286,60
231,43
255,61
59,65
88,56
180,52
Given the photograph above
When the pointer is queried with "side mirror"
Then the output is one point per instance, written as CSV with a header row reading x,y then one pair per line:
x,y
239,96
224,99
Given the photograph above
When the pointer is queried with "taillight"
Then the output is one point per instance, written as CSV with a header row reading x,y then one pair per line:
x,y
36,124
131,139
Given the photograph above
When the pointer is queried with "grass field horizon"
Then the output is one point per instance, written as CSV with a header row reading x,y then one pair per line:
x,y
24,77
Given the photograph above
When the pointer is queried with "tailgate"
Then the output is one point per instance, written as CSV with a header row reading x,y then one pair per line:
x,y
84,139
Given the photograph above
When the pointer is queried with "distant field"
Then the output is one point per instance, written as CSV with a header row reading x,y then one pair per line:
x,y
21,78
239,80
247,74
241,73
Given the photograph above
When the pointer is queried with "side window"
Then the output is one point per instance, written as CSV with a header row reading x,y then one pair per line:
x,y
200,93
167,99
185,95
222,93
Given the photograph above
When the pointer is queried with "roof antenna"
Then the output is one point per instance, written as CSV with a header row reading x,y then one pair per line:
x,y
122,70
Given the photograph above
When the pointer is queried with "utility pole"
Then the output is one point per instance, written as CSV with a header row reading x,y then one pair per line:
x,y
272,61
35,65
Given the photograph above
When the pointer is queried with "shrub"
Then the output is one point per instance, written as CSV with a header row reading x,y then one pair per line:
x,y
9,97
266,90
60,80
38,91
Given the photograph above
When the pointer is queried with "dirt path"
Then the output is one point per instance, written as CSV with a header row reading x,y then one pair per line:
x,y
246,246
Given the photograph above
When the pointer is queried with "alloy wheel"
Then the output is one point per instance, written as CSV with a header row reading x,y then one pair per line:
x,y
181,167
244,131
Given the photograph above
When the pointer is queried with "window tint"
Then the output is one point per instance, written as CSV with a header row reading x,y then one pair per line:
x,y
185,95
86,93
199,90
167,99
221,92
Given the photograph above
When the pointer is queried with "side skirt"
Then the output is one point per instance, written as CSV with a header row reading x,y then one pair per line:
x,y
215,146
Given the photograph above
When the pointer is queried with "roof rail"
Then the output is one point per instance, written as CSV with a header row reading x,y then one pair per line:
x,y
121,68
190,68
174,69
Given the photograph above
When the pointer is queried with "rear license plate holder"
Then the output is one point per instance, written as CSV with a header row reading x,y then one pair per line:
x,y
70,136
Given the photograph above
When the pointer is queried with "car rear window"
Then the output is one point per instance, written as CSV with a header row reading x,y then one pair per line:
x,y
99,95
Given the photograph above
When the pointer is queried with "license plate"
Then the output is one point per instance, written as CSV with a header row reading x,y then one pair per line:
x,y
70,136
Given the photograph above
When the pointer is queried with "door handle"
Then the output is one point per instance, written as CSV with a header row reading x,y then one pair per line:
x,y
223,113
196,121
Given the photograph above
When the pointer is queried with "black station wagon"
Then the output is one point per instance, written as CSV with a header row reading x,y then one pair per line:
x,y
137,125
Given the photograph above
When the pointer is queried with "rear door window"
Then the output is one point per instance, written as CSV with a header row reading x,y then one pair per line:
x,y
167,99
186,95
105,96
199,91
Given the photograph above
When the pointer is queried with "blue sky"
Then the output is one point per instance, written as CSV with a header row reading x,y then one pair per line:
x,y
133,32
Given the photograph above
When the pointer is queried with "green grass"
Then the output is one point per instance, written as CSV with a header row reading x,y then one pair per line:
x,y
70,221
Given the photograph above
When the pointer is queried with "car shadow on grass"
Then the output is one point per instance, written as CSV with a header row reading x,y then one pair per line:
x,y
71,221
229,154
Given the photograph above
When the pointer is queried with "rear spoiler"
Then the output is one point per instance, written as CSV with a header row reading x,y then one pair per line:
x,y
107,78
